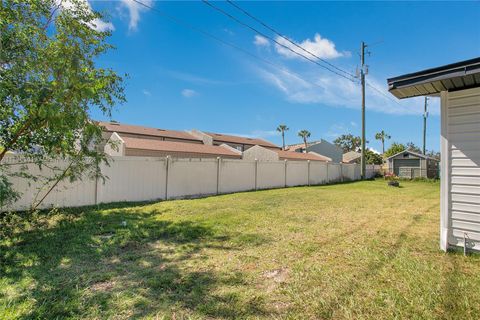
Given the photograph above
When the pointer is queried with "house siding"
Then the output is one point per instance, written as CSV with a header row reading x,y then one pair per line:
x,y
461,164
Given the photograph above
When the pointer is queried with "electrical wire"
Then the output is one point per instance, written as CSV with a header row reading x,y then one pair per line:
x,y
211,36
287,39
273,40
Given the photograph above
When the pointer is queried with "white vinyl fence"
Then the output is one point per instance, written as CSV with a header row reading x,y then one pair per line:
x,y
148,178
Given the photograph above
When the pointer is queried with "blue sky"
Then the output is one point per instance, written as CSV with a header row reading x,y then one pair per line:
x,y
180,79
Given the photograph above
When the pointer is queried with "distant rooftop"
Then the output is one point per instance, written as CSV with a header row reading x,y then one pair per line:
x,y
171,146
240,140
132,129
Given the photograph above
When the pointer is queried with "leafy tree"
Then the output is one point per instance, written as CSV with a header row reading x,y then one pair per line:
x,y
394,149
412,147
372,157
49,84
382,136
349,142
282,128
434,154
304,134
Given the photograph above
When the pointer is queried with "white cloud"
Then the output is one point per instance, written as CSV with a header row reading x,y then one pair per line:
x,y
320,47
134,10
261,41
330,90
96,24
374,150
353,123
188,93
146,92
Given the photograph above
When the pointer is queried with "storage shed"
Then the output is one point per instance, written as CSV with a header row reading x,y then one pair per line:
x,y
409,164
458,86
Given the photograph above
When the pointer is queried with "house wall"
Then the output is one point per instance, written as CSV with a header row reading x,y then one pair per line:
x,y
150,178
260,153
327,149
460,168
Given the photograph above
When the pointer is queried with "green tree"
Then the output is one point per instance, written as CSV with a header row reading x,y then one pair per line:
x,y
304,134
372,157
50,83
394,149
282,128
413,147
349,142
382,136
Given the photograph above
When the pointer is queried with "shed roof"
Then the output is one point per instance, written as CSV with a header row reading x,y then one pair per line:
x,y
350,156
451,77
292,155
171,146
423,156
297,146
132,129
240,140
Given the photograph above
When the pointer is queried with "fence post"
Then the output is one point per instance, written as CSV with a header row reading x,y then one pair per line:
x,y
285,173
256,171
167,162
96,189
308,173
327,180
341,172
219,160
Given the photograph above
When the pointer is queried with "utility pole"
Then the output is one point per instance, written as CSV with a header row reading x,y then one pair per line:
x,y
425,116
362,79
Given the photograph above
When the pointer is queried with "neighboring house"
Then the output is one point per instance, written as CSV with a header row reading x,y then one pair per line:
x,y
352,157
141,147
129,140
237,142
322,147
266,154
410,164
458,86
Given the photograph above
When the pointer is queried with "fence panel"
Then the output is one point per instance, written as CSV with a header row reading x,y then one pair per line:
x,y
133,179
297,173
192,177
65,193
334,172
236,175
318,172
348,172
149,178
270,174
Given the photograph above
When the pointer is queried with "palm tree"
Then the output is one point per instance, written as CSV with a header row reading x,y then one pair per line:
x,y
282,128
304,134
382,135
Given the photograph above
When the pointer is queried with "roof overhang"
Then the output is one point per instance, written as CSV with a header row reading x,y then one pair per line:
x,y
452,77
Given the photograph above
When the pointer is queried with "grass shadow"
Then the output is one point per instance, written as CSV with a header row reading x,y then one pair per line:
x,y
97,264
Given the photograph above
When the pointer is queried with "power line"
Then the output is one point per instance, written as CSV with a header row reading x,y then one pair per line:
x,y
381,92
270,38
286,38
211,36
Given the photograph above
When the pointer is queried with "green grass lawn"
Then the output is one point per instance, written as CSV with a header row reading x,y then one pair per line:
x,y
349,251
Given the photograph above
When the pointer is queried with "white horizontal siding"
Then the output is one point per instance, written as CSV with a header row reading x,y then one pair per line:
x,y
463,133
